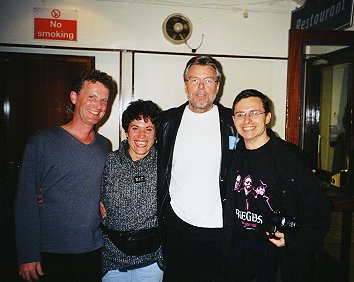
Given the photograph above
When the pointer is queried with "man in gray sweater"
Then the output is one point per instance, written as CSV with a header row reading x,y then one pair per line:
x,y
57,204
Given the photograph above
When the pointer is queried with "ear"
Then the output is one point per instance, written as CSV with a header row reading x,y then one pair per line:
x,y
217,87
268,117
73,97
185,87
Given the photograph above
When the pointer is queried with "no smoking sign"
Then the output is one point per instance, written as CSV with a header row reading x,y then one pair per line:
x,y
55,24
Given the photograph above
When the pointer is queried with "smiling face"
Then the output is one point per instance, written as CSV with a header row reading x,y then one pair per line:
x,y
252,128
200,96
90,103
141,137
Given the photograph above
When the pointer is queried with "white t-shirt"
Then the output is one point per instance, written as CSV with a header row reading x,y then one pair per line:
x,y
194,187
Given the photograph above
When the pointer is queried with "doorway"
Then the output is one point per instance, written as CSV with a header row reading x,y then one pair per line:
x,y
34,94
328,127
328,139
320,121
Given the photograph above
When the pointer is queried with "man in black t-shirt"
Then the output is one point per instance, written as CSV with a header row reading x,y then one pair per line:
x,y
267,175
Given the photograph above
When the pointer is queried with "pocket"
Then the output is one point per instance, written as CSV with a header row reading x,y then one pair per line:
x,y
143,242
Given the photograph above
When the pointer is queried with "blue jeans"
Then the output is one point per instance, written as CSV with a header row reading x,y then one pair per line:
x,y
150,273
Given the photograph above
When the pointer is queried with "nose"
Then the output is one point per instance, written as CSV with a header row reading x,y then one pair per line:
x,y
101,105
247,118
141,133
97,103
201,85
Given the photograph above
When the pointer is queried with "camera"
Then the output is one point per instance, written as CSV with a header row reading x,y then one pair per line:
x,y
281,222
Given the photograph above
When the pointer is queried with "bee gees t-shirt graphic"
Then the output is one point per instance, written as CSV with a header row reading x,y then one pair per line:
x,y
255,191
251,193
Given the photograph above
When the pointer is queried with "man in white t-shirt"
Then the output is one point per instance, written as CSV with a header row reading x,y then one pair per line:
x,y
195,148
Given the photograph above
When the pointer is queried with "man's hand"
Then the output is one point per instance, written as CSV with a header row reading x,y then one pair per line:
x,y
30,271
103,210
279,241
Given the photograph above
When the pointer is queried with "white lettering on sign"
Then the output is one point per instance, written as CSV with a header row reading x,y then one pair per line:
x,y
55,35
55,24
322,16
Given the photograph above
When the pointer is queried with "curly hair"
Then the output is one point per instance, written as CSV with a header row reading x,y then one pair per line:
x,y
141,109
93,76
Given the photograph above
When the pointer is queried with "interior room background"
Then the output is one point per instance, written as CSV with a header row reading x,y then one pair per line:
x,y
249,38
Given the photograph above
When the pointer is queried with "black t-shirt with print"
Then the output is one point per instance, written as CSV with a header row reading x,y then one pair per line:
x,y
256,192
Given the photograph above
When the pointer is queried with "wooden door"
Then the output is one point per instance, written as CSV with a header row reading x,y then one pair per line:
x,y
34,93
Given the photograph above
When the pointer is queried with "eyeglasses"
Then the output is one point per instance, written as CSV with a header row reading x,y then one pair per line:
x,y
251,114
208,81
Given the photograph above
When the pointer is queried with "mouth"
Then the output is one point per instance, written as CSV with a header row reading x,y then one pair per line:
x,y
200,94
248,128
140,143
93,112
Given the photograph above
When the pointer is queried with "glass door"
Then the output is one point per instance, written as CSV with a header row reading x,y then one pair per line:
x,y
327,115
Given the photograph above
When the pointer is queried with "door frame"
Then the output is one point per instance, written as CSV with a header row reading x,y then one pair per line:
x,y
298,39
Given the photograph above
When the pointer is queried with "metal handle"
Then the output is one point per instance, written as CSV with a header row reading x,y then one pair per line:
x,y
319,151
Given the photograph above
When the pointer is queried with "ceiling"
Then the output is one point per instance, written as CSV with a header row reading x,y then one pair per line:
x,y
236,5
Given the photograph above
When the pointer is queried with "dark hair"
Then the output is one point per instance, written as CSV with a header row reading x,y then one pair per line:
x,y
93,76
141,109
253,93
203,61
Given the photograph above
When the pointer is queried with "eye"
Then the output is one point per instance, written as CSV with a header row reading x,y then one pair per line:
x,y
105,101
208,81
194,80
151,129
240,115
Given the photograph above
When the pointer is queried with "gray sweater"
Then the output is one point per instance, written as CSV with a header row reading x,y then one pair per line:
x,y
68,173
129,194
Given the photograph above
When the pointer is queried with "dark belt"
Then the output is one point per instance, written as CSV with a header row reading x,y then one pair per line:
x,y
135,243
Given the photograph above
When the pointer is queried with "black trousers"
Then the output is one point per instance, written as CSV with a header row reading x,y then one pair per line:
x,y
251,261
84,267
304,268
192,253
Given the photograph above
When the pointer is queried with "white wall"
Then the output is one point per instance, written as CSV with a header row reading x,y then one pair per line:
x,y
129,26
165,78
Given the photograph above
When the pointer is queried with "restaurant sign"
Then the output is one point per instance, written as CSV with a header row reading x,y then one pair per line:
x,y
323,15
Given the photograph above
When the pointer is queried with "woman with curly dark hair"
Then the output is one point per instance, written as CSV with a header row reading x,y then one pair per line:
x,y
131,250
